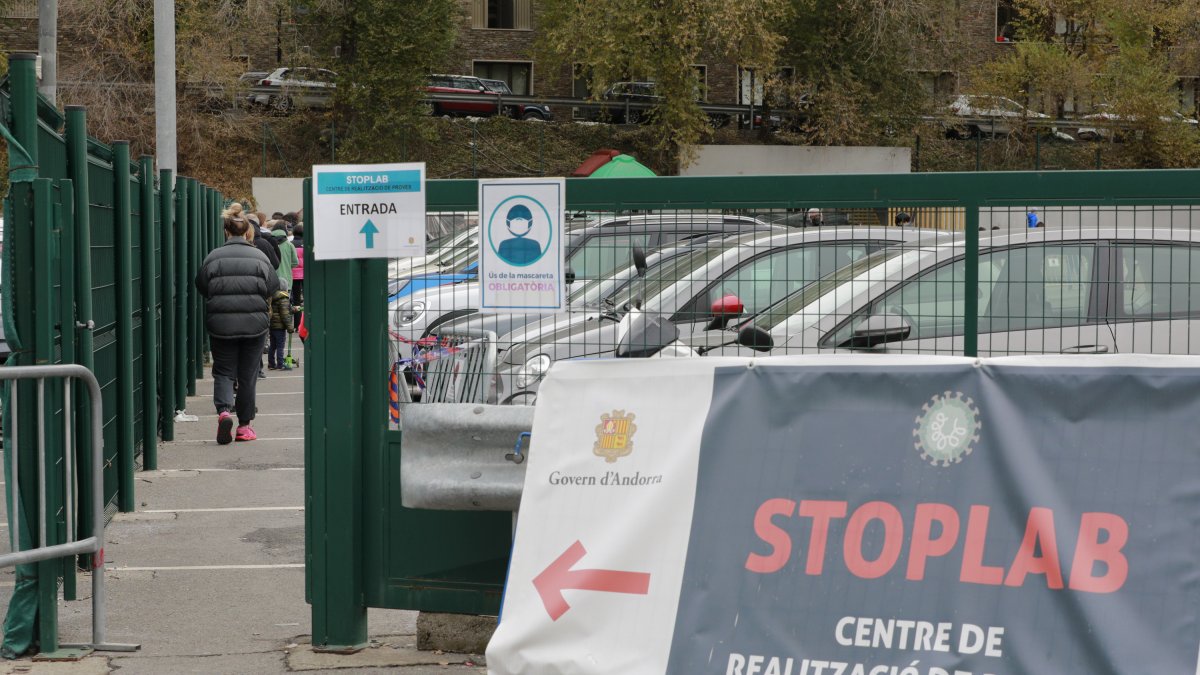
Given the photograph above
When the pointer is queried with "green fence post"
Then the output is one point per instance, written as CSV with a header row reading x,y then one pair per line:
x,y
971,281
123,245
69,354
333,446
77,169
183,215
193,227
167,204
150,340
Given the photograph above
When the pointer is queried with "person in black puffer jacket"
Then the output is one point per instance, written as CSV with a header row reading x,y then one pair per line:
x,y
237,281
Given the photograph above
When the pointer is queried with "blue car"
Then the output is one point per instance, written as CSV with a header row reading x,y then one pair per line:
x,y
399,288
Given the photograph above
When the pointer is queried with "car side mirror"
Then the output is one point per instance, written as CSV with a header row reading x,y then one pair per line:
x,y
877,330
569,275
639,261
755,338
725,309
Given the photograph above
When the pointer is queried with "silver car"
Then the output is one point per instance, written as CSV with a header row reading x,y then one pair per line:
x,y
703,291
1095,290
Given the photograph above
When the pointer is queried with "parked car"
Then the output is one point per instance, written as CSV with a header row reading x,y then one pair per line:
x,y
296,87
1095,290
641,98
1112,125
993,116
596,251
705,291
520,111
455,307
462,84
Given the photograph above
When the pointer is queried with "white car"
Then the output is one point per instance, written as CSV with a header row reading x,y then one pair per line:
x,y
993,116
1095,290
296,87
1110,123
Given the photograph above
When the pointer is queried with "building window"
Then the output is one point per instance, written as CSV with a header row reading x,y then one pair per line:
x,y
502,14
940,83
518,74
19,9
752,83
701,86
1188,88
1006,21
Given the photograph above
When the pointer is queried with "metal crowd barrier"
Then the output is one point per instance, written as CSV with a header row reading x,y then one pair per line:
x,y
463,372
93,545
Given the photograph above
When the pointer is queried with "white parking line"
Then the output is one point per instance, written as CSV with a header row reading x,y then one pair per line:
x,y
189,568
214,416
230,509
167,472
263,393
260,438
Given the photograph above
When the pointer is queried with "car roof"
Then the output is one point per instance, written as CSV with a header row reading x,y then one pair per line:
x,y
1092,233
846,232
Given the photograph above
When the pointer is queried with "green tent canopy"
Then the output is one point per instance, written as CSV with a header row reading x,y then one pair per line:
x,y
623,166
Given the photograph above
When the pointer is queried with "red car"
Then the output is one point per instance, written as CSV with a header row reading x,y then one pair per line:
x,y
462,84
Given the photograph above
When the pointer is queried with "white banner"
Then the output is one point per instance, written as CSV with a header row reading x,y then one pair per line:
x,y
602,537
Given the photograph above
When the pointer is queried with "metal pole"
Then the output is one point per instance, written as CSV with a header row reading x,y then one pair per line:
x,y
77,164
1037,151
150,337
123,245
48,48
164,84
167,302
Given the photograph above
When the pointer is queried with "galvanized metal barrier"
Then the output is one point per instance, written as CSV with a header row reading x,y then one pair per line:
x,y
457,456
462,373
92,545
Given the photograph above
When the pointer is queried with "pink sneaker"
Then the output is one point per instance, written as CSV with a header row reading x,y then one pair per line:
x,y
225,428
246,433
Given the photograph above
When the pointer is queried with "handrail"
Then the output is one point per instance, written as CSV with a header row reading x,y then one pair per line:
x,y
94,544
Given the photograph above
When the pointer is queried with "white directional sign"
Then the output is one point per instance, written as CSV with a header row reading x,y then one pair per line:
x,y
521,265
369,210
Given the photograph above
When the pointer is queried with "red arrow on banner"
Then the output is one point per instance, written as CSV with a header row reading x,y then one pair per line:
x,y
559,577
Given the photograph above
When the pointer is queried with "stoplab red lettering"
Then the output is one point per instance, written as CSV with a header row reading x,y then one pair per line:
x,y
923,546
1099,564
893,539
1089,550
821,513
973,569
1039,533
780,542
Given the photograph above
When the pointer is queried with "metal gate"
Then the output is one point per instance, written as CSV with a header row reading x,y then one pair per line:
x,y
365,548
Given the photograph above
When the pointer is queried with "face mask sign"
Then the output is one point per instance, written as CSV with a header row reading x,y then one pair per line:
x,y
519,227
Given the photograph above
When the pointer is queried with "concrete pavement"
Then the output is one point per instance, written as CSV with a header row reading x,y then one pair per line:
x,y
208,574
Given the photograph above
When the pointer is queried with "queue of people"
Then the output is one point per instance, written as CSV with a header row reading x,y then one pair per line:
x,y
252,286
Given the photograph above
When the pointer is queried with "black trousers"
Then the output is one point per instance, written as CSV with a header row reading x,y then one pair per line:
x,y
236,359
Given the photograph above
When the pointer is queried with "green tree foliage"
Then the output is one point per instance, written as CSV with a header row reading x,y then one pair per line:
x,y
1122,57
388,49
660,40
856,61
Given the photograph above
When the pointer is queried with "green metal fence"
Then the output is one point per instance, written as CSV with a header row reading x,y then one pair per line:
x,y
366,549
99,253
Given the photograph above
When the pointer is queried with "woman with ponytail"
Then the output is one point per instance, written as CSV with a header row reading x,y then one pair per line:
x,y
237,282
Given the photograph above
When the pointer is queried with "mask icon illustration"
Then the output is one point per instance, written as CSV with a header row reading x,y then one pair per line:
x,y
519,249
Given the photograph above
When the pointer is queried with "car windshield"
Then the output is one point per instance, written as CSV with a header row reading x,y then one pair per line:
x,y
776,314
664,276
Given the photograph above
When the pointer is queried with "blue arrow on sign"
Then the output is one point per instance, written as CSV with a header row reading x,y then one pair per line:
x,y
369,231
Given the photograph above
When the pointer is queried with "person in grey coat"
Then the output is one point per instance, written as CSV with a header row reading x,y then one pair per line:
x,y
237,282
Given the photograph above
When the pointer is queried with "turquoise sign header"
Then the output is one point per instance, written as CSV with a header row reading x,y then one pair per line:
x,y
367,182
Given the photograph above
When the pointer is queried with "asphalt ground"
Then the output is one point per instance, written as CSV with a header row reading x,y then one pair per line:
x,y
208,574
